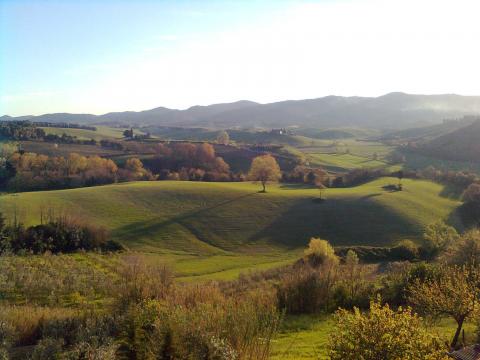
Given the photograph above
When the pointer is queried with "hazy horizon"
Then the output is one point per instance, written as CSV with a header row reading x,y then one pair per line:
x,y
103,56
236,101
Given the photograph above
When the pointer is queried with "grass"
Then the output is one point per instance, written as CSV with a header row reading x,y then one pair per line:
x,y
303,337
342,162
347,154
218,218
222,229
102,132
52,149
239,136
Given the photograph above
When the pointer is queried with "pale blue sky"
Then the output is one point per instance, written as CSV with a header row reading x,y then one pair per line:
x,y
106,55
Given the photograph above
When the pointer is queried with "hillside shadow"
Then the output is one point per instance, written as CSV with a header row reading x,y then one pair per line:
x,y
154,226
297,187
369,196
458,220
452,192
358,221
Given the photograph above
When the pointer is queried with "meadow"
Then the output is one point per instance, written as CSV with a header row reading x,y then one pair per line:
x,y
221,229
102,132
346,154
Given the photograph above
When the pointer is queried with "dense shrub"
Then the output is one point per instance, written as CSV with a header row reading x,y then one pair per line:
x,y
399,276
404,251
60,235
470,210
306,290
383,334
140,281
217,328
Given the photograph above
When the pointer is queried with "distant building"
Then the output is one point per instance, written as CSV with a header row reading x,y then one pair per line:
x,y
281,131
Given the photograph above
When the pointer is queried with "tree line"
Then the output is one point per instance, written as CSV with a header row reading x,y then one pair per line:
x,y
30,171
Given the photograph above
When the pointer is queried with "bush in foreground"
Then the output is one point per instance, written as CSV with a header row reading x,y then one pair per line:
x,y
383,334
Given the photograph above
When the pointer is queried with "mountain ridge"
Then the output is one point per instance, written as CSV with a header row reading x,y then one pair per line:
x,y
394,110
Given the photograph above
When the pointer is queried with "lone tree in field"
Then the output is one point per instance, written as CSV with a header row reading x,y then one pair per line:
x,y
223,137
400,177
321,177
264,168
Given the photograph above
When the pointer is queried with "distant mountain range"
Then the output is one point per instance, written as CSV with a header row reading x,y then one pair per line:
x,y
391,111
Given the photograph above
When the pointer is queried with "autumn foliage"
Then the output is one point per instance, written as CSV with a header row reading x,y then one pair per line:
x,y
264,169
37,172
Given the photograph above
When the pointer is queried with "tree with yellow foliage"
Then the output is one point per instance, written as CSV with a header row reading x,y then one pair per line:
x,y
455,293
264,168
383,334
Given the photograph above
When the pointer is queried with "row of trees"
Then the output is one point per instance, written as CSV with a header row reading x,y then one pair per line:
x,y
20,130
26,130
30,171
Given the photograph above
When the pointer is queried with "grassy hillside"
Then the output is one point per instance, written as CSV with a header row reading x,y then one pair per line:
x,y
347,154
416,161
52,149
102,132
337,133
189,218
342,162
239,136
460,145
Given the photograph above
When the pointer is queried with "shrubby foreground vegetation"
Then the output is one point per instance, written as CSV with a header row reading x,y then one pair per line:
x,y
125,307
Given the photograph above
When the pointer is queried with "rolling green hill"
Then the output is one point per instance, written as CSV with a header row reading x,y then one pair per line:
x,y
187,218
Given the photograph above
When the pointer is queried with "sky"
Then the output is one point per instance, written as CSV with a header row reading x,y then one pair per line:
x,y
100,56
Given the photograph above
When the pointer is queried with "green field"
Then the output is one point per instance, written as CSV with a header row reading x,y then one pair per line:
x,y
220,229
102,132
341,162
52,149
346,154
